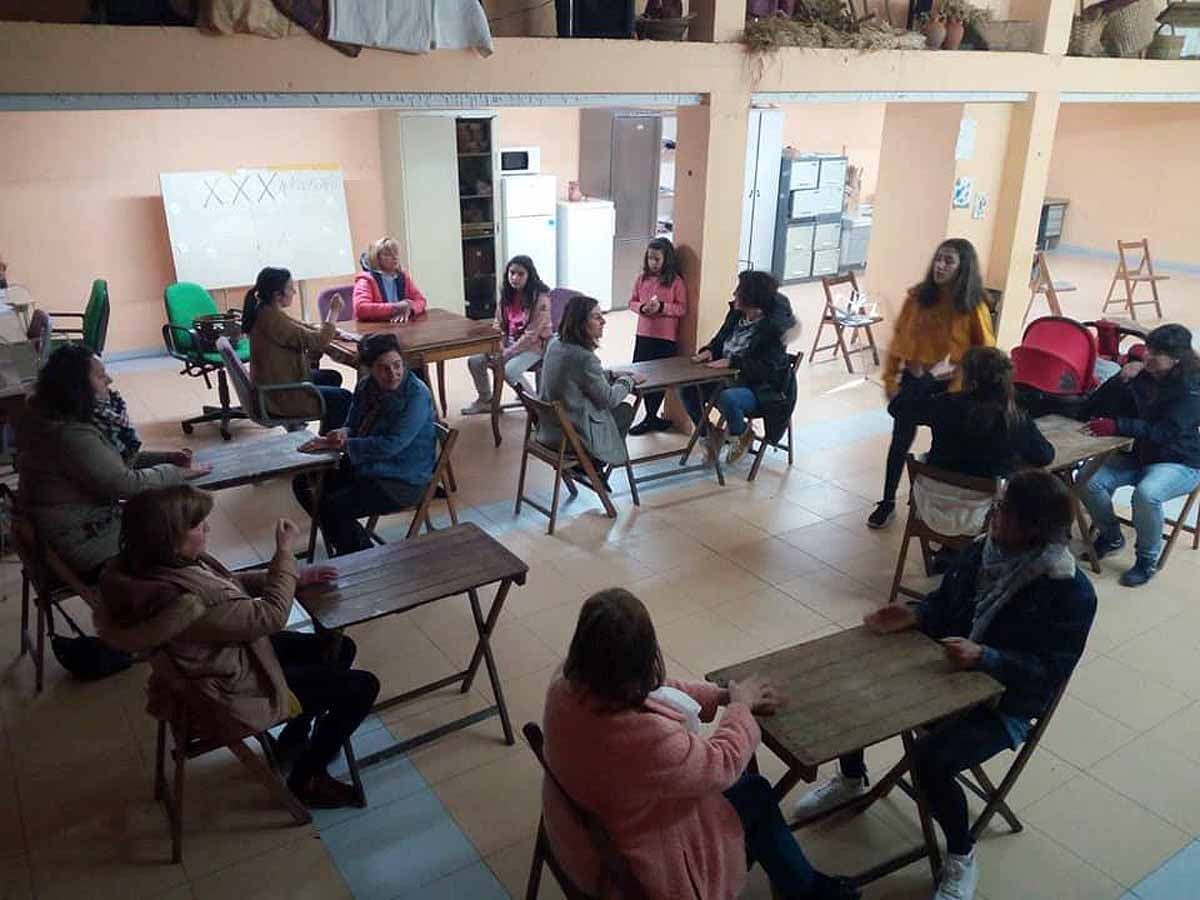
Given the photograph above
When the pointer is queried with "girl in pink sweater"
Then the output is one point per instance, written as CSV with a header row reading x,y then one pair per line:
x,y
660,301
625,743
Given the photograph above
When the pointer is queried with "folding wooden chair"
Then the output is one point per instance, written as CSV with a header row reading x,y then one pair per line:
x,y
840,321
443,478
567,459
52,581
1043,284
995,796
914,527
187,743
1130,278
614,869
1176,525
758,447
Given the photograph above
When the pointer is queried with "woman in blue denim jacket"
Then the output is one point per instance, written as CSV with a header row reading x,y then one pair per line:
x,y
389,443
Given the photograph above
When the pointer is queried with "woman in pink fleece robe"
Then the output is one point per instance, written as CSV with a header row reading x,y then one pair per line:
x,y
681,809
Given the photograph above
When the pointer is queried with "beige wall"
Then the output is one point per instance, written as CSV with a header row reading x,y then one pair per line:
x,y
82,197
853,128
1129,172
555,130
986,168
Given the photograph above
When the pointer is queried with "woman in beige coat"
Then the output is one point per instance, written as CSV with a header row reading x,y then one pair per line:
x,y
281,350
224,634
78,458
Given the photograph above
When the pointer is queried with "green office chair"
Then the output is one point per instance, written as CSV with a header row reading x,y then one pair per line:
x,y
185,302
93,321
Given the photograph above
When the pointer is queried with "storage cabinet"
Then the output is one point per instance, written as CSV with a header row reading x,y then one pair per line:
x,y
808,216
1050,227
760,198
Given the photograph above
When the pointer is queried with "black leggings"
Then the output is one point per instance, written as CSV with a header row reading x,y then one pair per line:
x,y
904,432
332,693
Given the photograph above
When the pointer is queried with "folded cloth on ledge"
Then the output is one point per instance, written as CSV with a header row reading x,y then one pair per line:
x,y
413,26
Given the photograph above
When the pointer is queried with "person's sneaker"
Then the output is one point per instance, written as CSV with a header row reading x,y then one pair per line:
x,y
834,792
960,876
660,424
741,443
643,427
323,791
1141,572
885,511
478,407
1108,543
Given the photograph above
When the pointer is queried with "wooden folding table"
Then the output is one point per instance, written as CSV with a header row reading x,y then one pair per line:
x,y
850,690
397,578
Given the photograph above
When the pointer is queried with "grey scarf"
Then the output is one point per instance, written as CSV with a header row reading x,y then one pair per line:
x,y
1001,576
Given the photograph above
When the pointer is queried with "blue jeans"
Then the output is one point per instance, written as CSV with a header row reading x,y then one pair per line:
x,y
969,741
769,841
735,403
1153,485
337,399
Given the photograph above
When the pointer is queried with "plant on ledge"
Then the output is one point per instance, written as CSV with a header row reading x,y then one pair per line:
x,y
824,23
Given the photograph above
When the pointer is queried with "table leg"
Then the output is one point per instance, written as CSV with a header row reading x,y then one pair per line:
x,y
931,844
497,386
483,649
1076,487
316,481
687,451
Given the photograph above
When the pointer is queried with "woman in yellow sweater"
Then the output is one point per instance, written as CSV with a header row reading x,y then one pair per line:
x,y
942,317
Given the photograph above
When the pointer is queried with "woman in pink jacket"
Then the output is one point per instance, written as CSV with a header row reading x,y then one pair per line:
x,y
624,743
383,292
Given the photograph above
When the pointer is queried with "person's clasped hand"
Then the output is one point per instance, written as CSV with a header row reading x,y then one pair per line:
x,y
401,312
756,692
316,575
962,653
1101,427
722,363
286,535
1131,370
702,357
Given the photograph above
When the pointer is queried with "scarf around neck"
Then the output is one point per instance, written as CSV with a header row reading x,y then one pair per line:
x,y
1002,576
112,418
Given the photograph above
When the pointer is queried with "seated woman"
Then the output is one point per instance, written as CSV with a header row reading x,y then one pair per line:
x,y
225,635
590,397
1156,402
523,317
751,341
390,445
624,742
78,458
383,292
977,431
281,349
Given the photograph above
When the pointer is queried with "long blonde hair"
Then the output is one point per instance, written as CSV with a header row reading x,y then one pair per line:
x,y
378,247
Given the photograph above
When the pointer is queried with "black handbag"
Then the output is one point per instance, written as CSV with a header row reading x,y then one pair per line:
x,y
86,657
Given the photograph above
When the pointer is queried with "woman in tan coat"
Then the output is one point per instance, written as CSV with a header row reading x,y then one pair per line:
x,y
281,350
224,635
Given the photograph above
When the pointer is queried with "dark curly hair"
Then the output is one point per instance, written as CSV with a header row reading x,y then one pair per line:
x,y
64,387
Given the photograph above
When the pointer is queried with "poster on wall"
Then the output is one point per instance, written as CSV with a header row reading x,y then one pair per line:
x,y
962,192
980,207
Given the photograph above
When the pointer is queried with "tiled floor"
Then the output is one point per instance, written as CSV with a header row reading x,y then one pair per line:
x,y
1111,802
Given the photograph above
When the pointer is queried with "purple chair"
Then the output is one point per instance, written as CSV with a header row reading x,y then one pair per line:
x,y
559,297
326,297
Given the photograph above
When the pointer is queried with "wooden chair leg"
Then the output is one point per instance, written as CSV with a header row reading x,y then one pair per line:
x,y
871,342
758,458
986,791
521,477
558,476
175,806
791,443
270,778
441,381
39,653
838,330
160,761
632,483
812,354
372,524
598,485
25,642
1180,524
535,866
904,540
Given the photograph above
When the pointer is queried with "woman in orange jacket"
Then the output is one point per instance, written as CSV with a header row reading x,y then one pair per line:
x,y
942,317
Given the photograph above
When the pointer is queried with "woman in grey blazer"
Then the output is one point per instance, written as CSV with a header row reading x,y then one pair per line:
x,y
591,398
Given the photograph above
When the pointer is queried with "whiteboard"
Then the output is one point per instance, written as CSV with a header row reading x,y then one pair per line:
x,y
225,226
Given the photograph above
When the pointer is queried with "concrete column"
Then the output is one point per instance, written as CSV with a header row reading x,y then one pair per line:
x,y
710,162
1019,206
1051,19
912,198
717,21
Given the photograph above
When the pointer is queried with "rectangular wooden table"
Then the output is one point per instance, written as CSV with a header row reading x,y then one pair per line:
x,y
850,690
273,456
1074,447
397,578
435,336
676,373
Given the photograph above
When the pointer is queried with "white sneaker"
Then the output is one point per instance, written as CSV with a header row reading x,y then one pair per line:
x,y
478,407
834,792
960,876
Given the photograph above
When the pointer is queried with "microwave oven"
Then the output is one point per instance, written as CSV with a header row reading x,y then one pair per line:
x,y
520,160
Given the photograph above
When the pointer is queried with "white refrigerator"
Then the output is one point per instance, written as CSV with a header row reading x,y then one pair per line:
x,y
528,221
585,248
